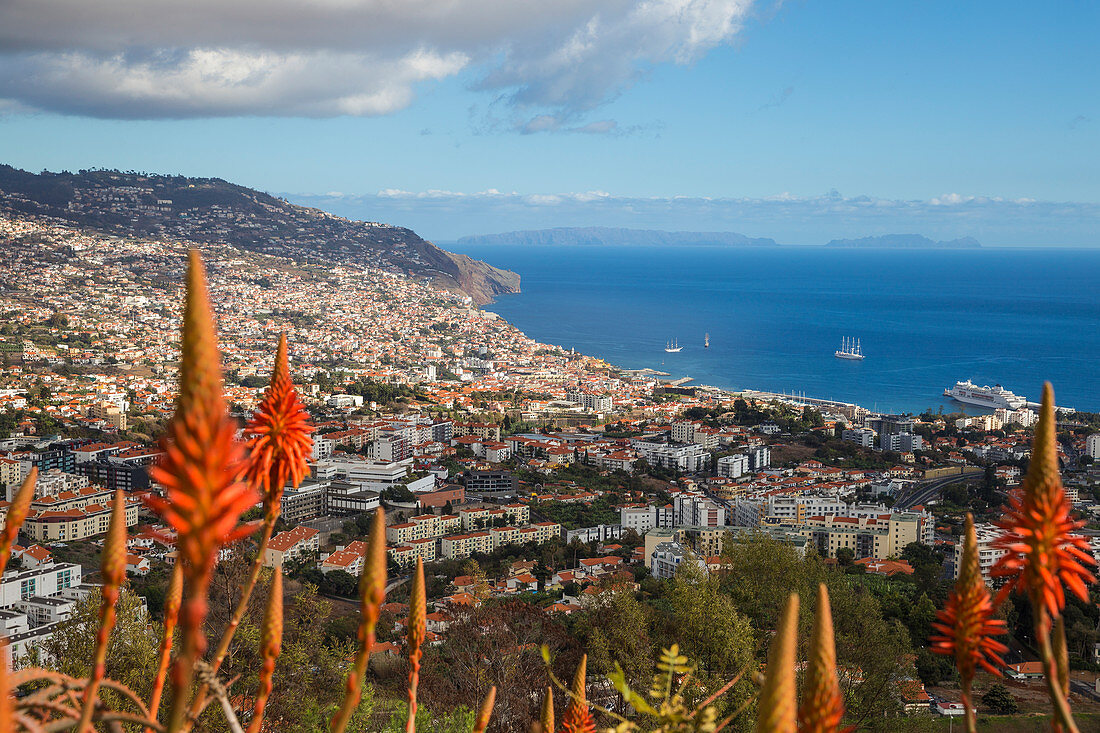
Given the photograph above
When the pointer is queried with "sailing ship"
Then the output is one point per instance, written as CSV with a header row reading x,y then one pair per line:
x,y
849,349
706,340
672,347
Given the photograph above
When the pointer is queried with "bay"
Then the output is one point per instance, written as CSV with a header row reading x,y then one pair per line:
x,y
925,318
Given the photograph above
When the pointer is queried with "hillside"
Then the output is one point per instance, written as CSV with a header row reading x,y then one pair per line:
x,y
211,210
905,241
589,236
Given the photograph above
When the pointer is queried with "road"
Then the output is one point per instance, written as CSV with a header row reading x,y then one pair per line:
x,y
926,490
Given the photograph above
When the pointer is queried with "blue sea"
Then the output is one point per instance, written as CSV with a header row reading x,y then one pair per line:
x,y
925,318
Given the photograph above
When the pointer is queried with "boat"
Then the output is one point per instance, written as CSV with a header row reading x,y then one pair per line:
x,y
706,340
993,397
849,350
672,347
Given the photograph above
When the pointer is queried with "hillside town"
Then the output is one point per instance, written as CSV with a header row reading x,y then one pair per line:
x,y
511,468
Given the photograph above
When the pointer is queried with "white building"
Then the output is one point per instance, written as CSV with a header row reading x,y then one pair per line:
x,y
860,436
666,558
689,458
344,401
734,466
693,510
987,554
643,519
1092,445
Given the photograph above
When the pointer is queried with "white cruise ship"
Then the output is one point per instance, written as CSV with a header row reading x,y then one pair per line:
x,y
992,397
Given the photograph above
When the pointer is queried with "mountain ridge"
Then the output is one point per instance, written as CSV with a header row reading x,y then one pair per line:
x,y
212,210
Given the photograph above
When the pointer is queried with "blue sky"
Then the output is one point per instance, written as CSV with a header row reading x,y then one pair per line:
x,y
945,118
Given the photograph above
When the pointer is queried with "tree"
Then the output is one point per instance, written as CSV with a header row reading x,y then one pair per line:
x,y
131,654
999,700
845,556
498,645
615,630
711,632
921,616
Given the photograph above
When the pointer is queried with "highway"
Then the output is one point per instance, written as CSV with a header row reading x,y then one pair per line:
x,y
926,490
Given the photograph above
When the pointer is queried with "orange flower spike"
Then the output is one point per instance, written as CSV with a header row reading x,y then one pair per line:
x,y
546,715
822,702
418,612
17,514
113,573
965,626
485,712
577,717
279,442
201,457
372,593
199,471
271,645
1042,553
776,705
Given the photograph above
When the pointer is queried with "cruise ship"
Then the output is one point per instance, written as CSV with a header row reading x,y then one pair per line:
x,y
992,397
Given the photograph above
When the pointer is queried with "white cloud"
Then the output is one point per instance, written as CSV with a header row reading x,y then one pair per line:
x,y
165,58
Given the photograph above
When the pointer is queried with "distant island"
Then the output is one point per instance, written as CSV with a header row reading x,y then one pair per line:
x,y
590,236
906,241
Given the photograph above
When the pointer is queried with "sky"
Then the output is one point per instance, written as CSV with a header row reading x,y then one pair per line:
x,y
801,120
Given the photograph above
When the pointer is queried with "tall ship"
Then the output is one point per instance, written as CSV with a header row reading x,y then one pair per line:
x,y
849,349
672,347
992,397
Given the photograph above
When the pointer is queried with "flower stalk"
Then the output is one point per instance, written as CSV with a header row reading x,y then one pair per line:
x,y
113,572
372,593
417,629
271,645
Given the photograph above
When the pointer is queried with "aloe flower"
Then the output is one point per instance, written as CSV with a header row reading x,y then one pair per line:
x,y
822,702
577,717
1042,554
199,471
965,626
776,705
279,444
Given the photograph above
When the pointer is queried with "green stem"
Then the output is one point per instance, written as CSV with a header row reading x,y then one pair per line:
x,y
1063,716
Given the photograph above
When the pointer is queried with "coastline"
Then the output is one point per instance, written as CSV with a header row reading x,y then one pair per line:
x,y
774,320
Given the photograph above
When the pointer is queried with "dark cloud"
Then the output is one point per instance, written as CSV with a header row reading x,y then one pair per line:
x,y
165,58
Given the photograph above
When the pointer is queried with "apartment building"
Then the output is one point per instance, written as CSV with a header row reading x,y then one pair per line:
x,y
879,537
464,545
406,555
860,436
291,545
697,510
348,558
734,466
75,515
988,555
644,518
686,458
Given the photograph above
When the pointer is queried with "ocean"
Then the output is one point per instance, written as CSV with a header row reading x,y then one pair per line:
x,y
925,318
